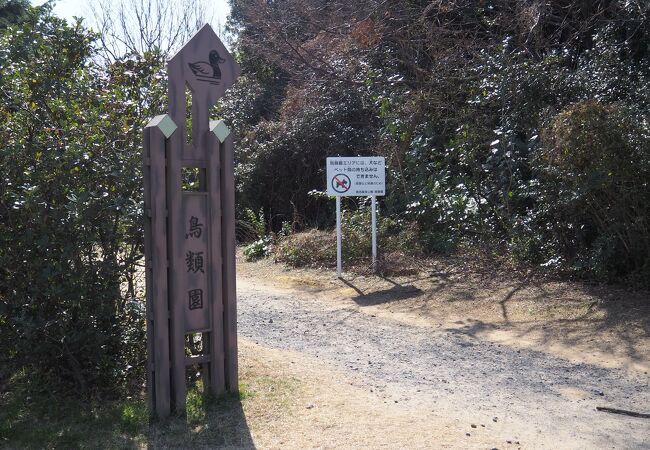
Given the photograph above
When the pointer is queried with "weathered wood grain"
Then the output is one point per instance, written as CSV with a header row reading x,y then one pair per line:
x,y
207,69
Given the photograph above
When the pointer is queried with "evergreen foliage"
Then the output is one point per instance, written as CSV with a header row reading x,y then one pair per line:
x,y
519,125
71,207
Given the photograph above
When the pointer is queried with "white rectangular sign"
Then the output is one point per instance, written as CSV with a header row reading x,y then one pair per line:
x,y
356,176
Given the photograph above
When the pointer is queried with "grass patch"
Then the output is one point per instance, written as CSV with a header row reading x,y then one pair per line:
x,y
400,245
245,392
31,419
399,253
313,248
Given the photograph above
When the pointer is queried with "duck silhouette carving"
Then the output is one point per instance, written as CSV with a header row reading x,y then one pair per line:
x,y
208,71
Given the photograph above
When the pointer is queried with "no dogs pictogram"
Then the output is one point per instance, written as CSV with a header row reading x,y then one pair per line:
x,y
341,183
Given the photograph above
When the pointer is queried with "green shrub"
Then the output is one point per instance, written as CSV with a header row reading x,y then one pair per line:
x,y
357,233
281,159
404,237
313,248
258,249
597,166
71,232
316,248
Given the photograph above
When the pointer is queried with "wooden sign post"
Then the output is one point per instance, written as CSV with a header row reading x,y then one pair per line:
x,y
190,230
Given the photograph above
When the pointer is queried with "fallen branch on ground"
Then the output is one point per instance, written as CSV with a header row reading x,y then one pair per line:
x,y
622,411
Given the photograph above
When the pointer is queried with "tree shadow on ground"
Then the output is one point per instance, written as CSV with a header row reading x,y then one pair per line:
x,y
592,318
595,319
395,293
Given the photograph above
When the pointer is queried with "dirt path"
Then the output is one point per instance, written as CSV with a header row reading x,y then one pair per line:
x,y
482,393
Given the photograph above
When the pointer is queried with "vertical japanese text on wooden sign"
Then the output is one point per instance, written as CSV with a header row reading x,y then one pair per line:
x,y
190,234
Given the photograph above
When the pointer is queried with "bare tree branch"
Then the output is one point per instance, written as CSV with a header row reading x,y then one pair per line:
x,y
140,26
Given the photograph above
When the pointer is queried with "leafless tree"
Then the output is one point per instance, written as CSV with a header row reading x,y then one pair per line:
x,y
139,26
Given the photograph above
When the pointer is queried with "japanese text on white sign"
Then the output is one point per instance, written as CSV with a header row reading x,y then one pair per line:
x,y
356,176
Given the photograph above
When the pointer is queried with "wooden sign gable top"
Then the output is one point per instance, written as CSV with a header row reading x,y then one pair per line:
x,y
205,65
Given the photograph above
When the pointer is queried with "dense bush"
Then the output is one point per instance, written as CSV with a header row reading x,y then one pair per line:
x,y
317,248
597,168
280,162
70,207
518,125
313,248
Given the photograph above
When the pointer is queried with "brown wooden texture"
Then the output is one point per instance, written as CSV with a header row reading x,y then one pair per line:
x,y
196,236
207,69
195,261
175,238
146,161
228,248
205,360
217,376
156,269
187,68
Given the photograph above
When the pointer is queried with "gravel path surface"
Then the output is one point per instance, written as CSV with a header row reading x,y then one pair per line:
x,y
544,401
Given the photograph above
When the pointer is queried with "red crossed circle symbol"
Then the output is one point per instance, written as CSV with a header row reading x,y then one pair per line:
x,y
341,183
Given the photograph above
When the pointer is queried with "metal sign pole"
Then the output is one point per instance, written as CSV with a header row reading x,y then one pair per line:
x,y
373,215
360,176
338,237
